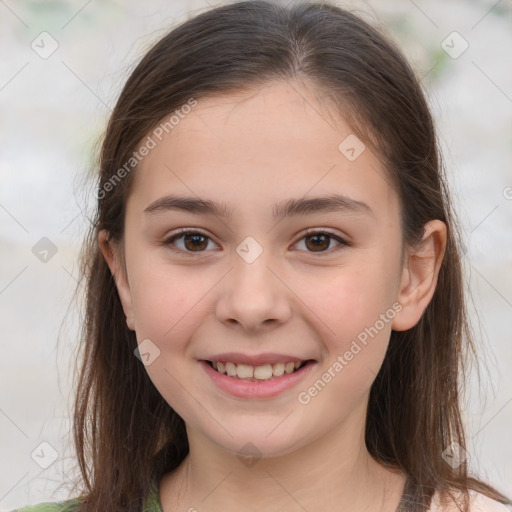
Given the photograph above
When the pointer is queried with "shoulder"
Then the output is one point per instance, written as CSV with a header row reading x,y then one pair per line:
x,y
477,503
72,505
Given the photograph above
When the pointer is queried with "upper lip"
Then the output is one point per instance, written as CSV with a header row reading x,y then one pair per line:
x,y
256,360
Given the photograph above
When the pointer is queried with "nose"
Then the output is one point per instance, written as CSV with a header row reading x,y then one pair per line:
x,y
253,296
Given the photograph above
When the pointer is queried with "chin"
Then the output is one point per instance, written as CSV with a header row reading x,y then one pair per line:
x,y
250,439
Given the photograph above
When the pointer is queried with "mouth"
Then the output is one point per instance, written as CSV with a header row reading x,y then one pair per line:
x,y
260,373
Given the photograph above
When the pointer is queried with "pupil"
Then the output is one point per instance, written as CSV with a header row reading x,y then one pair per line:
x,y
316,237
188,238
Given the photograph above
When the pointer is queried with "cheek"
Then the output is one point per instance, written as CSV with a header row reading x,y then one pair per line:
x,y
356,311
348,300
169,304
151,297
354,307
167,300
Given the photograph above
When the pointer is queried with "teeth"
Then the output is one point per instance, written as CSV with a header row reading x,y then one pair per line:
x,y
278,369
231,369
244,371
262,372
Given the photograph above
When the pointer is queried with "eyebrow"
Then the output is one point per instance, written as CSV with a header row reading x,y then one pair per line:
x,y
291,207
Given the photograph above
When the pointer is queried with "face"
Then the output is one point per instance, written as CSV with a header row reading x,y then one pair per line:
x,y
317,284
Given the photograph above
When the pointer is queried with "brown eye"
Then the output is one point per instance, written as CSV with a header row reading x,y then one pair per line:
x,y
193,241
196,242
320,242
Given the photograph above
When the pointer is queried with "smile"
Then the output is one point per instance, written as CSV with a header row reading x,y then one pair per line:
x,y
255,373
256,382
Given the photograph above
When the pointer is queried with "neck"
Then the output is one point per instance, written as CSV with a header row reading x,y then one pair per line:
x,y
335,472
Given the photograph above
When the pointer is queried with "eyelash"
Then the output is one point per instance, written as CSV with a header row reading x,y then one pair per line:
x,y
188,231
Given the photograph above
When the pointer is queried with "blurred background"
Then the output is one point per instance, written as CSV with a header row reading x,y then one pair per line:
x,y
62,66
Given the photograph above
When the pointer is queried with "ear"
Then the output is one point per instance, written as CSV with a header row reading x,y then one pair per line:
x,y
419,275
113,259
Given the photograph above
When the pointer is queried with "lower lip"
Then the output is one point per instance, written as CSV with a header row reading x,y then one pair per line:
x,y
263,389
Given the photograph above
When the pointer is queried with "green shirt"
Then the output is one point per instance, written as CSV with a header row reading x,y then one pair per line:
x,y
152,504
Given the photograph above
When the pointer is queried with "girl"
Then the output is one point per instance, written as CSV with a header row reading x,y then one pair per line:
x,y
275,313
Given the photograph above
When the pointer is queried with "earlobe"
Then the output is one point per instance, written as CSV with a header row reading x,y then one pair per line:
x,y
112,257
419,275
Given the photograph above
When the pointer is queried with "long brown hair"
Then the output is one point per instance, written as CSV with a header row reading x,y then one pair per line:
x,y
125,433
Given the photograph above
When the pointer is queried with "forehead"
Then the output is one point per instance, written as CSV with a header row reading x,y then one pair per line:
x,y
255,148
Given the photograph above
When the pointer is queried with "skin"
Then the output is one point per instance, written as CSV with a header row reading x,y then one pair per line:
x,y
252,150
